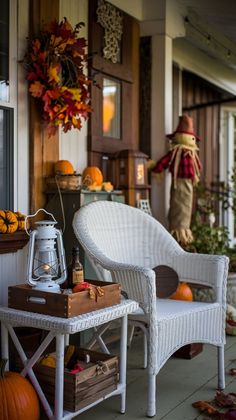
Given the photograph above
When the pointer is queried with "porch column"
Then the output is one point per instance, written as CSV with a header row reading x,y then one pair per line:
x,y
164,22
161,117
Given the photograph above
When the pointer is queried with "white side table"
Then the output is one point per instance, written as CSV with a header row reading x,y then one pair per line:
x,y
60,328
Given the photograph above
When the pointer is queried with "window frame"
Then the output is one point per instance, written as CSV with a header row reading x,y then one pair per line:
x,y
227,152
11,104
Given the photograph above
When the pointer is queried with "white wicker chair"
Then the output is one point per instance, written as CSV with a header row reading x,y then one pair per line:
x,y
129,243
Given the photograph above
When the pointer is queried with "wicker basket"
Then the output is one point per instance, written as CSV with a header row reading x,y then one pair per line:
x,y
64,182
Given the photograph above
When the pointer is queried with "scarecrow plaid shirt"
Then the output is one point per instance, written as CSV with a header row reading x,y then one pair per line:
x,y
185,170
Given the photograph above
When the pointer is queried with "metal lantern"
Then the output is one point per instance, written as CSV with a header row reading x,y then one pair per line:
x,y
46,268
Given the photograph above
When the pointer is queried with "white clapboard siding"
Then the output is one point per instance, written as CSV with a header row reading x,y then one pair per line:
x,y
12,271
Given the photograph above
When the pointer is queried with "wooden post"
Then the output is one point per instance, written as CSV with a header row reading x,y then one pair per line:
x,y
43,151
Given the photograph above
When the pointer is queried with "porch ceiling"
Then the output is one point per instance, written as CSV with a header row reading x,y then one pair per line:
x,y
212,27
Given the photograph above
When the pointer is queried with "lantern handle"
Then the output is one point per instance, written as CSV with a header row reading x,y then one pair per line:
x,y
35,214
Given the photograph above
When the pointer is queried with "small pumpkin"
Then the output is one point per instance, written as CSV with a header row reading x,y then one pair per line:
x,y
21,220
92,175
8,221
107,186
183,292
19,400
94,187
63,167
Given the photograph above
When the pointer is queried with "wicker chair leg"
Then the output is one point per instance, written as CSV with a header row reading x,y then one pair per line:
x,y
145,350
130,337
221,367
151,403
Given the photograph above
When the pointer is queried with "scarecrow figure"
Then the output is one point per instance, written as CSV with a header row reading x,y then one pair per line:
x,y
183,163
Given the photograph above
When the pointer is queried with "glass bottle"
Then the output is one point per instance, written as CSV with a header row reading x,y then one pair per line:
x,y
77,271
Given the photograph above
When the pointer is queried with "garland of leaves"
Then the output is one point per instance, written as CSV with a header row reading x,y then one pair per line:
x,y
55,61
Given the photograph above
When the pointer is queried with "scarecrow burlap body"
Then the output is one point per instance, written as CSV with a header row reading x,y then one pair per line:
x,y
183,162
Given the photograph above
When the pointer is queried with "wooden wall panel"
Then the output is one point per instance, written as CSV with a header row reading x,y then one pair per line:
x,y
145,69
102,149
44,151
201,100
135,85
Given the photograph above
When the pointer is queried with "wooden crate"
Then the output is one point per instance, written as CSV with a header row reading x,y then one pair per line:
x,y
189,351
24,297
99,378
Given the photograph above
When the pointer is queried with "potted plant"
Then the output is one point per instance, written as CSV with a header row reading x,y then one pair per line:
x,y
209,236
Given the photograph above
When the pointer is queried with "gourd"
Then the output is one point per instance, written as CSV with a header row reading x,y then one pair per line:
x,y
18,399
107,186
21,220
92,175
64,167
49,360
8,221
183,292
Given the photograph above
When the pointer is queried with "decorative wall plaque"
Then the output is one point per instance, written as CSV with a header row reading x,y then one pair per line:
x,y
111,20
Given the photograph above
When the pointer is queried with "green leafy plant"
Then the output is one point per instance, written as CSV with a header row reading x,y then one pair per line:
x,y
209,239
209,236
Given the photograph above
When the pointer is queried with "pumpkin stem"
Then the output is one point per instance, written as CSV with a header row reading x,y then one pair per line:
x,y
3,363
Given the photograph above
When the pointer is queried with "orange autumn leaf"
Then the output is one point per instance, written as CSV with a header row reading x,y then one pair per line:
x,y
205,407
36,46
36,89
68,26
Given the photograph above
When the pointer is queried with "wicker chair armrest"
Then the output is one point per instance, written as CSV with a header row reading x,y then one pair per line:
x,y
138,282
204,269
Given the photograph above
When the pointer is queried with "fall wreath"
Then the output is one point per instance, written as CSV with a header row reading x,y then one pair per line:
x,y
55,62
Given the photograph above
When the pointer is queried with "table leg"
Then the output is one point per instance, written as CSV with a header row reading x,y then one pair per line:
x,y
59,379
123,361
28,363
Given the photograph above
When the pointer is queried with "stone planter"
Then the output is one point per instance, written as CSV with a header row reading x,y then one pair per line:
x,y
231,289
205,294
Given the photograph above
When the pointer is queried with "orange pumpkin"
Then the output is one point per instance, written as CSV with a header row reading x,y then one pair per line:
x,y
8,221
19,400
64,167
183,292
92,175
21,220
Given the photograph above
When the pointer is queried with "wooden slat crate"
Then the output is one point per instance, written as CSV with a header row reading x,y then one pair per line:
x,y
85,387
26,298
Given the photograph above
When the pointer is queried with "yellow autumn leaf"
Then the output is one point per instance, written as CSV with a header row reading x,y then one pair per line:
x,y
55,40
53,73
75,92
76,122
61,48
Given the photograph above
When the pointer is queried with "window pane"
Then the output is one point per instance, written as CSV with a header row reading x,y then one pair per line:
x,y
6,158
4,50
111,108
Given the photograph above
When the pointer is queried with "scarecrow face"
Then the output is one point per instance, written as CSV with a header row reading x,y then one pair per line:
x,y
185,139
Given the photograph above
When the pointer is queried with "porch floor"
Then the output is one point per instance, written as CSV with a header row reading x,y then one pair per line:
x,y
179,383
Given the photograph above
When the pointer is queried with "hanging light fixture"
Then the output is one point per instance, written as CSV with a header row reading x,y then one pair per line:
x,y
46,268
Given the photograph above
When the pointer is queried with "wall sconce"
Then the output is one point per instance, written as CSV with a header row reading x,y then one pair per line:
x,y
46,268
